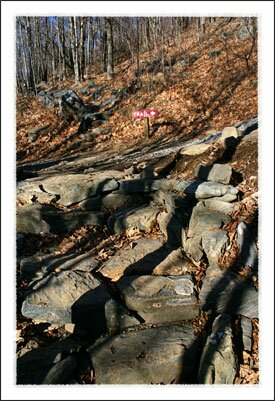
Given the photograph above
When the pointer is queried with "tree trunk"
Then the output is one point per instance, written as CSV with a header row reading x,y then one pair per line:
x,y
31,69
138,46
61,35
24,58
74,44
82,49
110,66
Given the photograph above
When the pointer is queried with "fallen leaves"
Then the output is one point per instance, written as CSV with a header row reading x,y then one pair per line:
x,y
205,91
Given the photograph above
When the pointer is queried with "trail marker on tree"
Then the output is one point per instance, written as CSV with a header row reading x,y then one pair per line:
x,y
145,114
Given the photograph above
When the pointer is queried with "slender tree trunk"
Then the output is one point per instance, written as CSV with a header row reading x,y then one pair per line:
x,y
88,56
81,49
138,46
110,65
74,44
24,58
61,35
31,69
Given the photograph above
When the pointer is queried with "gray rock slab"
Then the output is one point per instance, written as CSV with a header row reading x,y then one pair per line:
x,y
218,363
143,258
140,217
113,200
247,333
214,243
247,247
33,367
37,219
227,293
160,299
201,189
193,248
251,137
175,264
153,356
202,220
138,185
216,172
68,189
67,297
118,318
229,136
219,206
214,189
61,371
195,150
171,201
172,227
38,266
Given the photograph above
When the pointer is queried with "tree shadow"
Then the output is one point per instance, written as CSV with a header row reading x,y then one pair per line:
x,y
226,297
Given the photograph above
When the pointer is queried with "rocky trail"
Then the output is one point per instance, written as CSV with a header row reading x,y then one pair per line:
x,y
137,255
140,266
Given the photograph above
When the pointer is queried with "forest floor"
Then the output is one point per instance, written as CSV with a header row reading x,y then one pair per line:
x,y
207,88
194,98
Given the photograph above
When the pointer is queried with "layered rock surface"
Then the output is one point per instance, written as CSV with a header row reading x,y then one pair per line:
x,y
144,300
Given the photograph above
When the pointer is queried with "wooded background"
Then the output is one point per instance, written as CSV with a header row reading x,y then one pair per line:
x,y
52,49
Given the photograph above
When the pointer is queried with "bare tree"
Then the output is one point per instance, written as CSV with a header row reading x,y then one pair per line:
x,y
109,38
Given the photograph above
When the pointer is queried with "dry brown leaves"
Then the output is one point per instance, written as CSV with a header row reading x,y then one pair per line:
x,y
249,368
198,97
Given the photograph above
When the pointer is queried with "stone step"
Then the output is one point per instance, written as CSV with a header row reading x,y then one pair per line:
x,y
160,355
160,299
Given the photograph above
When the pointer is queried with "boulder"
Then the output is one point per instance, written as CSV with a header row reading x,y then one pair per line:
x,y
202,220
193,247
35,366
70,296
229,137
67,189
200,189
175,264
45,219
195,150
143,258
113,200
172,228
118,318
140,217
159,355
61,371
218,363
247,333
213,244
172,202
38,266
218,205
225,292
216,172
247,247
160,299
251,137
162,166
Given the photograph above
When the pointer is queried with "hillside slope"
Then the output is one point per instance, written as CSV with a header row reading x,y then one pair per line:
x,y
205,87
